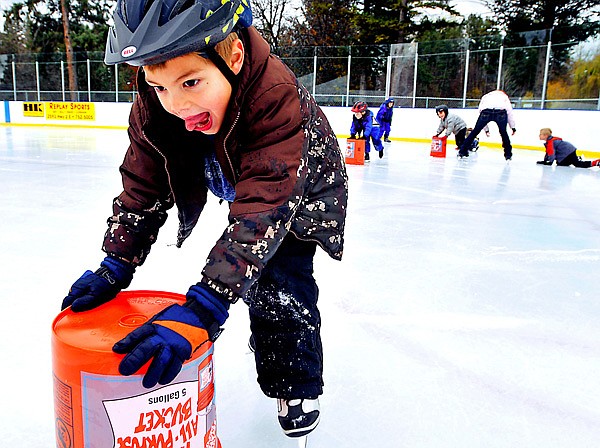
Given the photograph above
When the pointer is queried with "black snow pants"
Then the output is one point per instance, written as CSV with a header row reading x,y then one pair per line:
x,y
286,323
573,159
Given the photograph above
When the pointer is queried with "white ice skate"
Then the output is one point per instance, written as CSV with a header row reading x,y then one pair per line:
x,y
298,417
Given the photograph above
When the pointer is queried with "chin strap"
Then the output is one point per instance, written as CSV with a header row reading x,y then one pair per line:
x,y
222,66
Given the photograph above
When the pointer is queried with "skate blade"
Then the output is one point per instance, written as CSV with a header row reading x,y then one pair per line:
x,y
302,442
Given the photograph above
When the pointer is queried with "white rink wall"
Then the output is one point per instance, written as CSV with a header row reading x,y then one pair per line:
x,y
578,127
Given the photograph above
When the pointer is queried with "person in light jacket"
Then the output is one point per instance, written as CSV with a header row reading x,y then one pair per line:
x,y
452,124
494,106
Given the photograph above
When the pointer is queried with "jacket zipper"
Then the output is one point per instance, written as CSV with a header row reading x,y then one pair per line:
x,y
225,147
165,160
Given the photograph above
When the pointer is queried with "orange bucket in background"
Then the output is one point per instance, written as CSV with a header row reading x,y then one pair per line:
x,y
438,146
96,407
355,151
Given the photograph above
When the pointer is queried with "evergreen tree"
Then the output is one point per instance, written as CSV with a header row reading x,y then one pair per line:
x,y
395,21
536,22
15,38
569,20
324,23
43,34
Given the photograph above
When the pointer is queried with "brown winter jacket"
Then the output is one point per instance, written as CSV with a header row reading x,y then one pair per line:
x,y
276,147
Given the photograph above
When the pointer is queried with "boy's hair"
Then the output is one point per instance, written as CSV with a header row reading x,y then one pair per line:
x,y
546,131
223,48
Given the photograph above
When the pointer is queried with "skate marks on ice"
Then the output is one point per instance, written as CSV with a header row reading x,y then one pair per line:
x,y
439,330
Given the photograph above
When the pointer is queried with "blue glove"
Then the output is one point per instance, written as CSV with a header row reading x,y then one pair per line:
x,y
93,289
171,336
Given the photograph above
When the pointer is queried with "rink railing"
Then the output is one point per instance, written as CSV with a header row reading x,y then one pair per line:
x,y
417,75
323,99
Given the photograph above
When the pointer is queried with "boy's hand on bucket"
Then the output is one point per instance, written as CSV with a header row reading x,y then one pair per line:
x,y
93,289
171,336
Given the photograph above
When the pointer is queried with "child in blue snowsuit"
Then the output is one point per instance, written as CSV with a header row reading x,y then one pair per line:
x,y
384,118
363,123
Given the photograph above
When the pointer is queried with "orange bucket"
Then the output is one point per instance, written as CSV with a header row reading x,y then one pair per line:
x,y
355,151
438,146
96,407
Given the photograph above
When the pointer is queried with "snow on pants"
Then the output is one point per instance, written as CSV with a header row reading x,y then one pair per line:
x,y
286,323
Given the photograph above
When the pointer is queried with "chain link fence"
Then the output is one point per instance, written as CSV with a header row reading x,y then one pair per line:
x,y
455,72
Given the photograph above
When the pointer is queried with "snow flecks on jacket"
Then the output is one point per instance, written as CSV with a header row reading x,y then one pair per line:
x,y
260,248
278,150
125,225
325,167
250,269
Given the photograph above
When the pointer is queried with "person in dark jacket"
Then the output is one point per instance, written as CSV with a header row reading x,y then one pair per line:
x,y
562,152
364,125
384,118
217,112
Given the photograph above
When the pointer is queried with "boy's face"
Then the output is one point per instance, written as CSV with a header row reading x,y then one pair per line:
x,y
358,115
544,135
194,89
441,114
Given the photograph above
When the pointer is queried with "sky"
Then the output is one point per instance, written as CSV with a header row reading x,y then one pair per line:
x,y
466,7
6,3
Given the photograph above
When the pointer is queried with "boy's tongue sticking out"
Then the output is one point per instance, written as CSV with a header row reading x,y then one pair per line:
x,y
200,122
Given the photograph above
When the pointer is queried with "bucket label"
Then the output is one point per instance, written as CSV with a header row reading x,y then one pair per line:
x,y
350,150
210,439
206,377
120,413
162,418
63,410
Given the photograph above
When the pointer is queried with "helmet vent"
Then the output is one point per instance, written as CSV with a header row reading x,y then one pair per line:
x,y
180,5
153,31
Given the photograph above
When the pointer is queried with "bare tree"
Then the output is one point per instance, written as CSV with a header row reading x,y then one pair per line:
x,y
272,17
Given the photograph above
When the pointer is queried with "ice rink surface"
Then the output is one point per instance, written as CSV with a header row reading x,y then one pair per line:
x,y
466,311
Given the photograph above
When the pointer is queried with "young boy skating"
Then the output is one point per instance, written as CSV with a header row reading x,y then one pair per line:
x,y
384,118
363,124
451,123
216,111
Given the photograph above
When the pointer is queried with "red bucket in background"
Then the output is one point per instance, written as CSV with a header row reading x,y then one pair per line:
x,y
438,146
96,407
355,151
